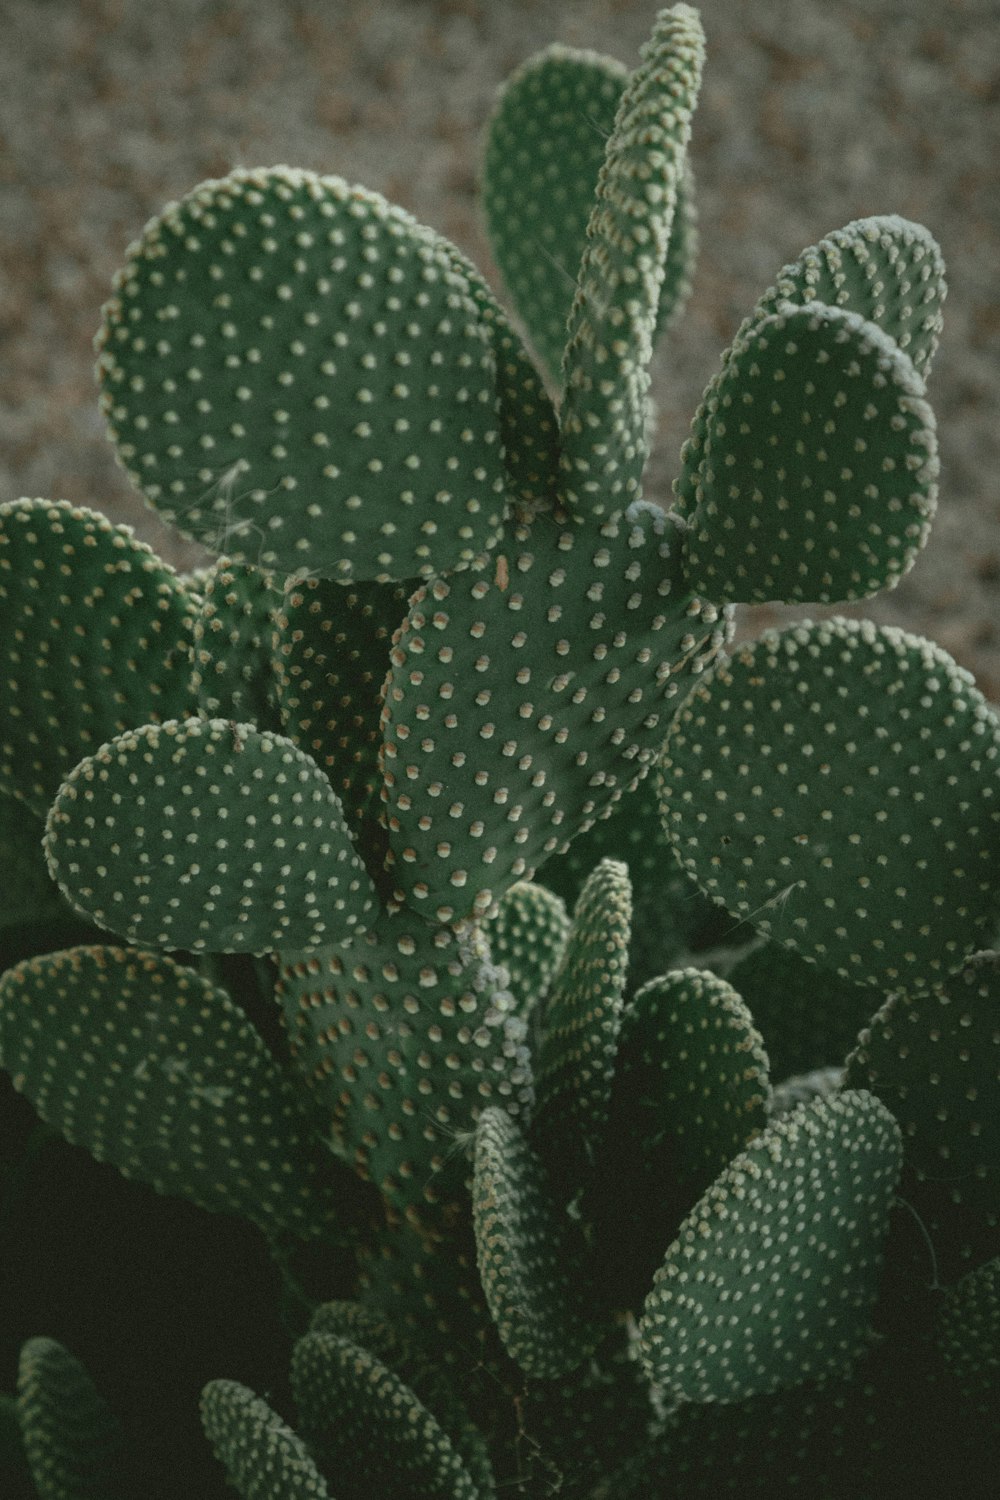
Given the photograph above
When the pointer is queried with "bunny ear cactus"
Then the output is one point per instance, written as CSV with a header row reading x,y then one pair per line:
x,y
599,1031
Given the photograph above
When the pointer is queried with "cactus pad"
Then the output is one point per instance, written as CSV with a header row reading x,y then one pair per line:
x,y
836,784
772,1278
204,834
74,1445
296,374
264,1458
793,508
544,152
532,1257
496,752
154,1069
95,633
527,936
613,316
234,672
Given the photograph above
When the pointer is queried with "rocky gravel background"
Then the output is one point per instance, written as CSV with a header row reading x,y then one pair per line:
x,y
814,112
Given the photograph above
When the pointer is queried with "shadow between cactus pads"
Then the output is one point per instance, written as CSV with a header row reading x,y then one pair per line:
x,y
471,906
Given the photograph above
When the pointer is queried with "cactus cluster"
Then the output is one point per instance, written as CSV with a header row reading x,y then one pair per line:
x,y
597,1030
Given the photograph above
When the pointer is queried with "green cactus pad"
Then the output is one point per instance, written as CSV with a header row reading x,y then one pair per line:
x,y
835,784
74,1445
690,1091
152,1068
808,1016
885,269
332,652
532,1257
527,936
817,477
296,374
234,672
934,1060
578,1024
429,1382
264,1458
406,1035
544,151
523,702
205,834
968,1334
95,634
613,316
370,1427
772,1278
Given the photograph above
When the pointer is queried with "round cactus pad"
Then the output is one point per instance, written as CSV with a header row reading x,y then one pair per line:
x,y
836,785
817,476
205,834
295,373
772,1277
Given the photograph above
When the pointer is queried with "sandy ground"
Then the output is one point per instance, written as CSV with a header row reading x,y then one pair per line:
x,y
814,112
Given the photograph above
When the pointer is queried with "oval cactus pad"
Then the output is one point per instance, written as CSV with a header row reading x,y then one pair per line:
x,y
295,373
838,786
205,834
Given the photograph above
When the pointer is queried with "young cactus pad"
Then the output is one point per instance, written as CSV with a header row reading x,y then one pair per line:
x,y
596,1033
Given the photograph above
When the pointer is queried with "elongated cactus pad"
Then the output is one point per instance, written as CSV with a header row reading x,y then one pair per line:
x,y
370,1427
690,1091
772,1278
407,1035
836,785
205,834
150,1067
968,1335
498,750
74,1445
95,634
532,1258
544,152
527,935
234,670
817,477
296,374
613,315
264,1458
578,1025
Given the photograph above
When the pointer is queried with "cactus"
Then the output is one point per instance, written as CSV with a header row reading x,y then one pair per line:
x,y
596,1029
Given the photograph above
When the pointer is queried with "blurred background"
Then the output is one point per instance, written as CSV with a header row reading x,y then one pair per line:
x,y
813,112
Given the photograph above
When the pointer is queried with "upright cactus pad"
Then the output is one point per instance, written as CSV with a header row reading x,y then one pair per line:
x,y
544,153
614,312
264,1458
74,1445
